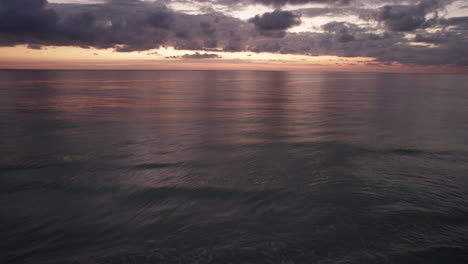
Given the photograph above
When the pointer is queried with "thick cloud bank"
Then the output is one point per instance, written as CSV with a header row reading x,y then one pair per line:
x,y
410,32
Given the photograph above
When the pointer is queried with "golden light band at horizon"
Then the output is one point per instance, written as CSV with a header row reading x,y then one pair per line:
x,y
52,57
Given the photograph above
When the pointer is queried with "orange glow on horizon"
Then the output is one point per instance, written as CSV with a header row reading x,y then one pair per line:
x,y
21,57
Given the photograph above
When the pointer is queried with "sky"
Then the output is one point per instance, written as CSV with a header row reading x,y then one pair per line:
x,y
324,35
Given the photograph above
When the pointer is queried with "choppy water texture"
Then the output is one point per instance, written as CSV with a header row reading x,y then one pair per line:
x,y
233,167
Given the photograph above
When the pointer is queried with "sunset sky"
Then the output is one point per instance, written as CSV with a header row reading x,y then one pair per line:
x,y
335,35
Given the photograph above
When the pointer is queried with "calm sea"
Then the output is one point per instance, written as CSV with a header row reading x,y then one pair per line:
x,y
233,167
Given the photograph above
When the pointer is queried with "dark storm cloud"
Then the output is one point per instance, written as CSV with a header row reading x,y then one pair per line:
x,y
279,3
34,46
275,23
198,56
235,43
349,40
457,22
343,32
274,3
435,38
328,11
210,31
408,17
267,46
207,28
182,35
402,18
132,25
23,16
276,20
160,19
126,25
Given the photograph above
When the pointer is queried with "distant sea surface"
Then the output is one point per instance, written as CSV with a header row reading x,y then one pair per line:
x,y
233,167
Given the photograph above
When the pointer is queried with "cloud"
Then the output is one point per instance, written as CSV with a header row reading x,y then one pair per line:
x,y
23,4
276,20
274,3
132,25
124,25
409,17
268,46
343,32
198,56
279,3
457,22
34,46
26,16
328,11
431,38
160,19
207,28
402,18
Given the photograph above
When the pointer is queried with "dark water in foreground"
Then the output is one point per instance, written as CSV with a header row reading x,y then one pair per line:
x,y
233,167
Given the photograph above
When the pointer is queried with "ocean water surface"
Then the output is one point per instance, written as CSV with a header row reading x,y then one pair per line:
x,y
233,167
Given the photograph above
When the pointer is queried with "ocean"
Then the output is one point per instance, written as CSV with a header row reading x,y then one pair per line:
x,y
233,167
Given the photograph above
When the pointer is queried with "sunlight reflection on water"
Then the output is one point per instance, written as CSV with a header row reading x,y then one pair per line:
x,y
233,167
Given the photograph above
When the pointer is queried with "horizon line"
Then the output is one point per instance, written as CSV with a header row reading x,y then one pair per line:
x,y
224,69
